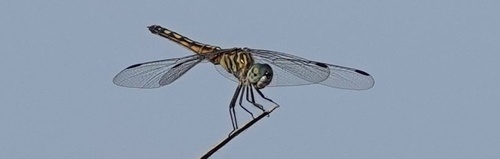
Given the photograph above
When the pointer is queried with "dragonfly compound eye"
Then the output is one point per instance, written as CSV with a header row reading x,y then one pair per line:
x,y
260,75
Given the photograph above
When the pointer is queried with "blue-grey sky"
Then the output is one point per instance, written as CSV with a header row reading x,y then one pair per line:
x,y
435,63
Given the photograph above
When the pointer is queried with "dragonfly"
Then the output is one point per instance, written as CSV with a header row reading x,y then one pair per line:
x,y
252,69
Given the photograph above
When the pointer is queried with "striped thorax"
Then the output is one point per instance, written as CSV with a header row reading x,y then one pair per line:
x,y
236,62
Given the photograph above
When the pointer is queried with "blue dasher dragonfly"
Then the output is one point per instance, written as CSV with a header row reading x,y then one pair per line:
x,y
253,69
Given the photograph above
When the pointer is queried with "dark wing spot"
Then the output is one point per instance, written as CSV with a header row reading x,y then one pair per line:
x,y
362,72
177,65
136,65
321,65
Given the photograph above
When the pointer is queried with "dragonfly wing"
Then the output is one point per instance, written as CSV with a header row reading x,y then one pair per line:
x,y
226,74
348,78
155,74
290,70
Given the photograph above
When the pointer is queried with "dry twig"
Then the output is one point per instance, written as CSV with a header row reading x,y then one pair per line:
x,y
236,133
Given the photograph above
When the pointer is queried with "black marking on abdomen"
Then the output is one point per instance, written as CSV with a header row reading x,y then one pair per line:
x,y
155,29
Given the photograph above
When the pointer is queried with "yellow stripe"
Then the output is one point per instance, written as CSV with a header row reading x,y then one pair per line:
x,y
237,63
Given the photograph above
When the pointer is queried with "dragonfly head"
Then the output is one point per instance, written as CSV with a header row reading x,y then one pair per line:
x,y
260,75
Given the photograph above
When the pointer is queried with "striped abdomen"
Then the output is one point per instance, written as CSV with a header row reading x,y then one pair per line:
x,y
192,45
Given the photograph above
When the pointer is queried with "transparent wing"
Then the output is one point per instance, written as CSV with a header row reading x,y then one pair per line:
x,y
348,78
155,74
290,70
226,74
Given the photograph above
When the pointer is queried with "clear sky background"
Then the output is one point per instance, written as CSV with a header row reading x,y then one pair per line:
x,y
435,63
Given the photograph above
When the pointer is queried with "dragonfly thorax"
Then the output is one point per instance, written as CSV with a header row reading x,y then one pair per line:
x,y
240,63
260,75
236,62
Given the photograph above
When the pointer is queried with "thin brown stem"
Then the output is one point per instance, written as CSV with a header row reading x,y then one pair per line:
x,y
236,133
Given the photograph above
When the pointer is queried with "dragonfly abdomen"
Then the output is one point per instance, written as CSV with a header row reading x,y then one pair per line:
x,y
197,47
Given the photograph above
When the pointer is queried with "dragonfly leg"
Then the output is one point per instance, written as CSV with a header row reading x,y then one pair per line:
x,y
252,100
262,95
245,88
232,112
